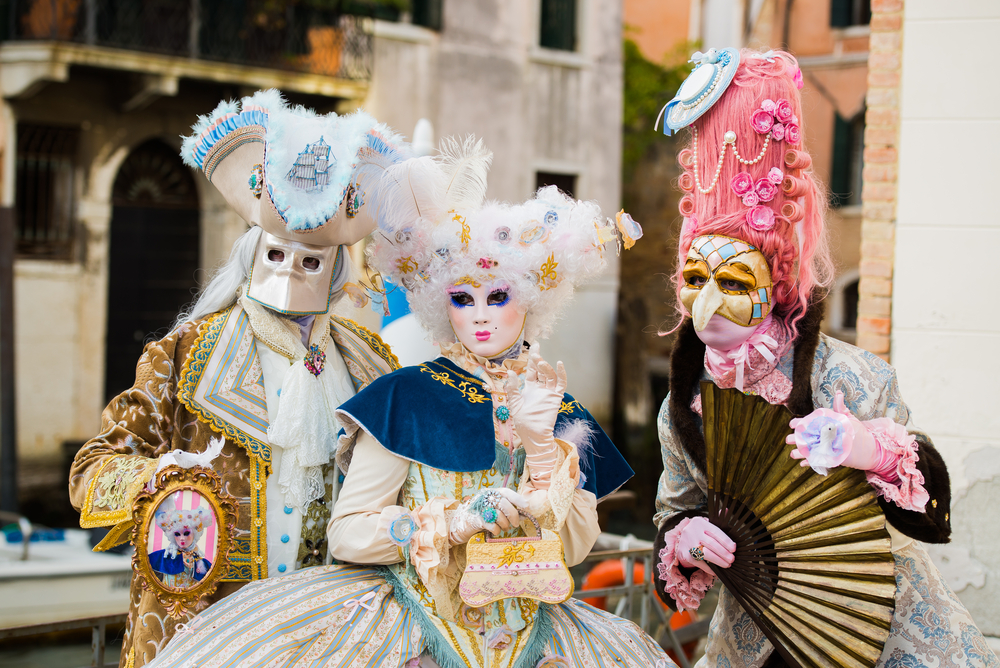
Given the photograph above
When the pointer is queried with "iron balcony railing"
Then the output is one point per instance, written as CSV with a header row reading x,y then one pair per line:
x,y
297,35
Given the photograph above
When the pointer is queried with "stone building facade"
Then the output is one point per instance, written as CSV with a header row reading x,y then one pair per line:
x,y
539,80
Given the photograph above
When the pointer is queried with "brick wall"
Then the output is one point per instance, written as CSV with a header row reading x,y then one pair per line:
x,y
881,159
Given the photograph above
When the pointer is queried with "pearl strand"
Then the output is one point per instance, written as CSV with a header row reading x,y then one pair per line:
x,y
760,156
718,167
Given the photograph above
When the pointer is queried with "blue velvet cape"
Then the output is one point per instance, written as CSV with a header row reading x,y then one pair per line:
x,y
441,416
161,563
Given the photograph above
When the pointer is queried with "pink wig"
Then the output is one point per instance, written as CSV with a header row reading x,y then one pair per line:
x,y
795,247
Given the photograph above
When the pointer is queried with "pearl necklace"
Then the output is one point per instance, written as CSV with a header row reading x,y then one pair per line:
x,y
729,139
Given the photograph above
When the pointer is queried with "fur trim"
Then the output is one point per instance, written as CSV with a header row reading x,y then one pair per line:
x,y
687,364
800,400
934,524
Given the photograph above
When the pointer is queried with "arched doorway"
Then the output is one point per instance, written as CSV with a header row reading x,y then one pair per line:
x,y
153,258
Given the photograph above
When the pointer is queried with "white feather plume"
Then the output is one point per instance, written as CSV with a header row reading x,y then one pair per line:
x,y
466,166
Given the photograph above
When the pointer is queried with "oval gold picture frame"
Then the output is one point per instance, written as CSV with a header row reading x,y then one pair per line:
x,y
190,522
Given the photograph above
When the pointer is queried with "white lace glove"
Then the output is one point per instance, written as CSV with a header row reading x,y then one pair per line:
x,y
501,505
534,411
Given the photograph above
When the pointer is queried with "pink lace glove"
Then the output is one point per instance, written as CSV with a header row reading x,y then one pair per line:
x,y
534,410
827,438
715,545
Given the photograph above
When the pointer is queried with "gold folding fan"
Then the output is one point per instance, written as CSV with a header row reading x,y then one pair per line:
x,y
812,564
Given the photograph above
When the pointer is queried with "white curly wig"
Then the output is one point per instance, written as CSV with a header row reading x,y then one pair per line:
x,y
436,230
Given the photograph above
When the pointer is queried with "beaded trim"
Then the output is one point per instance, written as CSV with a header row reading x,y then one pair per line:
x,y
729,139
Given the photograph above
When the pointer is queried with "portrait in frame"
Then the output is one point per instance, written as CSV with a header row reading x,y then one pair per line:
x,y
183,531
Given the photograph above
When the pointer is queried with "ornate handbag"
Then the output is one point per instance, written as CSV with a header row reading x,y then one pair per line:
x,y
520,567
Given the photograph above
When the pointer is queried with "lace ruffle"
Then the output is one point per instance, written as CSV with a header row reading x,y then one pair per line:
x,y
908,491
687,593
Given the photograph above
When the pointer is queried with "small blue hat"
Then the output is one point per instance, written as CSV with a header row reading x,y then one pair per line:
x,y
713,73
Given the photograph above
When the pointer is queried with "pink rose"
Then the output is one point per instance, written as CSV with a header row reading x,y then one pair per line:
x,y
760,218
499,638
766,190
762,121
792,133
769,106
784,111
795,119
751,199
778,132
798,79
776,176
741,184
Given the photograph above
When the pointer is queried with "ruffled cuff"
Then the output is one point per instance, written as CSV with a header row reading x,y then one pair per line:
x,y
551,505
902,483
429,546
686,592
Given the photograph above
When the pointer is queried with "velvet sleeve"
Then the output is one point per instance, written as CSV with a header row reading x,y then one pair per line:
x,y
137,428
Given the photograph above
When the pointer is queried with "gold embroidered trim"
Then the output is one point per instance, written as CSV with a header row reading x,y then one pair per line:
x,y
471,391
258,511
194,367
115,486
130,661
378,346
570,407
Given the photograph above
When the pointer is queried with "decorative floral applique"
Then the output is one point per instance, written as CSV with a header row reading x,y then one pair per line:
x,y
114,483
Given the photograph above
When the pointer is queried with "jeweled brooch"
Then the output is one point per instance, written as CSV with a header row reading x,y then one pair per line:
x,y
314,360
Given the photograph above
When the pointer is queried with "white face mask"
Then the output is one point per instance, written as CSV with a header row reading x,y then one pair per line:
x,y
485,318
291,277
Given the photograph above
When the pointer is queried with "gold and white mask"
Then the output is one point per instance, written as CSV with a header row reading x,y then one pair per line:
x,y
293,278
729,277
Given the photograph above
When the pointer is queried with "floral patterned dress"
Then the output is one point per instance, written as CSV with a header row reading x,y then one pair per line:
x,y
931,628
406,605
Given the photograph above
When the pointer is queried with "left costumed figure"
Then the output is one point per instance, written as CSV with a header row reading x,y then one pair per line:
x,y
259,358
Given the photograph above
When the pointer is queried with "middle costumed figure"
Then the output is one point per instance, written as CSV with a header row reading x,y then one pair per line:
x,y
440,457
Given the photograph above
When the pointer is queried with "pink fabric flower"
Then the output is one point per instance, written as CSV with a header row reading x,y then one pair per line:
x,y
687,593
751,199
783,112
778,132
766,190
760,218
792,133
776,176
499,638
769,106
762,121
797,78
741,183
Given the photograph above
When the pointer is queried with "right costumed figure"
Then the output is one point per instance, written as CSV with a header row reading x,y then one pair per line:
x,y
753,265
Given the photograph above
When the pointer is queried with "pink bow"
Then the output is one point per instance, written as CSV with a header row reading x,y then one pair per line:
x,y
721,362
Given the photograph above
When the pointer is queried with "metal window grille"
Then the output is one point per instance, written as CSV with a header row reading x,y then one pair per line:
x,y
427,13
46,158
844,13
558,24
325,38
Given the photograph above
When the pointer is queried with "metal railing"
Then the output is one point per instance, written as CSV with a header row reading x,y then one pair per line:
x,y
302,37
98,625
635,597
641,595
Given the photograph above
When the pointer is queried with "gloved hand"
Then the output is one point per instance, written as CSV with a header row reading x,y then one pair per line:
x,y
535,409
827,438
716,546
500,503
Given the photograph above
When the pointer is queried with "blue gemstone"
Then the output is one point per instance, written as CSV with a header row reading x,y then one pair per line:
x,y
284,538
279,391
288,510
503,414
282,568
